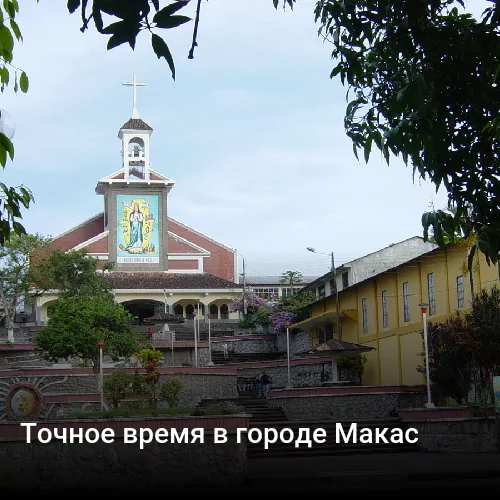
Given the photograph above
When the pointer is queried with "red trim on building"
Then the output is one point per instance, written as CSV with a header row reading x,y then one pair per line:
x,y
14,431
47,372
277,363
335,391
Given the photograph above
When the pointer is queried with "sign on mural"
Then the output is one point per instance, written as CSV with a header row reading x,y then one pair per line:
x,y
137,231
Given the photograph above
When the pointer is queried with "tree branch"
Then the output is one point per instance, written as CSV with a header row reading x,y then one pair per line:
x,y
195,31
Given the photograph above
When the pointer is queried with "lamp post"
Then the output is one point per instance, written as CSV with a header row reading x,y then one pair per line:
x,y
101,378
429,403
198,320
334,272
210,363
7,124
289,386
195,342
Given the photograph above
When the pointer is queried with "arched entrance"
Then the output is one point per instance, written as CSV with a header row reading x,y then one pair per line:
x,y
142,308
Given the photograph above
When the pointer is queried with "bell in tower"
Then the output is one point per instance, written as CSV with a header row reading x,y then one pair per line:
x,y
136,158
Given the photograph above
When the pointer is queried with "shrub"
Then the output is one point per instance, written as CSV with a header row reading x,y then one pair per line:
x,y
117,387
352,367
224,408
170,391
138,384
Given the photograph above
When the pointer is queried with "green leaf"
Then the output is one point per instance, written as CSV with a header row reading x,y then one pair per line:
x,y
167,11
6,43
172,21
161,50
9,8
122,32
368,149
4,75
7,145
16,30
3,155
24,82
73,5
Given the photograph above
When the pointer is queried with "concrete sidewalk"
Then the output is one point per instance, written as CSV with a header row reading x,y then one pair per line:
x,y
378,467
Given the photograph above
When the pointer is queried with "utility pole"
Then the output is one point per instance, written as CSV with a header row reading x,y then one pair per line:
x,y
244,292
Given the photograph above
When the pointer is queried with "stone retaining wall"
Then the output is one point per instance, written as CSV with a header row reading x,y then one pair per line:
x,y
247,346
302,375
57,385
475,435
343,406
122,465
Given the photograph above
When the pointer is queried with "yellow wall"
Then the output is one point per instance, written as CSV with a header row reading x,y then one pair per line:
x,y
399,346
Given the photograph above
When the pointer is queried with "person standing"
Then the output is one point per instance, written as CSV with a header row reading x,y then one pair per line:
x,y
225,348
265,381
259,385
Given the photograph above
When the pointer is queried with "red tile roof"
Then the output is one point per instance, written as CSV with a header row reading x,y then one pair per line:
x,y
170,281
135,124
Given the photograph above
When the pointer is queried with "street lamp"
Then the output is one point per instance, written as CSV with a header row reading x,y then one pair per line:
x,y
210,363
334,272
289,386
429,403
195,342
101,378
7,124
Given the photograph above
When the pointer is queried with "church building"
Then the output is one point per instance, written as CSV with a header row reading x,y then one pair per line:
x,y
160,264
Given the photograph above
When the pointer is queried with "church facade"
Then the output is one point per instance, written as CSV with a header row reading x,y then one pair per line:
x,y
160,264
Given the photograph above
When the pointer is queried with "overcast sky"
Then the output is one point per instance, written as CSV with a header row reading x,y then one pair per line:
x,y
251,131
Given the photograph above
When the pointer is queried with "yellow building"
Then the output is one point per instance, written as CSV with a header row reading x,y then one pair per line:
x,y
383,311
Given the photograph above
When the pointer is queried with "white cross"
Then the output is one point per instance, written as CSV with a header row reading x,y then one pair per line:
x,y
135,84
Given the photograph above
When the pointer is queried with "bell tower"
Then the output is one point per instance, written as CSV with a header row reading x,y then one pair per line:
x,y
135,135
135,201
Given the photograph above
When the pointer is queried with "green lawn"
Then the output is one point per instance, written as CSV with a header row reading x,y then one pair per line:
x,y
132,412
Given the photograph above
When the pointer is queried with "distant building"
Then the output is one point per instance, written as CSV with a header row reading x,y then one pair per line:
x,y
271,286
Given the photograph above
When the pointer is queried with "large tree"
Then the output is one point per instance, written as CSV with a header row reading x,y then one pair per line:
x,y
71,274
85,312
15,281
422,79
77,324
12,198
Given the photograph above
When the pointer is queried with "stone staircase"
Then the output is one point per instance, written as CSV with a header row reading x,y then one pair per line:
x,y
330,447
263,416
257,407
25,362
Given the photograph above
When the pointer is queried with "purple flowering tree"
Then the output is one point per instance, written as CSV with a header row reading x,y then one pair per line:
x,y
253,303
280,319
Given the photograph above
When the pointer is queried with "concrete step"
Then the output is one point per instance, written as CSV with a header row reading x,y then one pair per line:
x,y
27,367
328,451
29,362
22,357
330,446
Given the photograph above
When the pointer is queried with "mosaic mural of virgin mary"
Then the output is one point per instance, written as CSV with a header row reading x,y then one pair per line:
x,y
137,229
